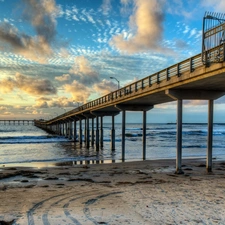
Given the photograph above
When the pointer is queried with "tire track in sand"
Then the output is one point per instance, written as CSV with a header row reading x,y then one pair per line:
x,y
47,205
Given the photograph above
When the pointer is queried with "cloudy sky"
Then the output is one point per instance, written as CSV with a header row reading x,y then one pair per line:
x,y
58,54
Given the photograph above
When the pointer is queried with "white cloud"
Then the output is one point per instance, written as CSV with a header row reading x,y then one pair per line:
x,y
193,32
187,29
106,6
147,24
74,17
218,5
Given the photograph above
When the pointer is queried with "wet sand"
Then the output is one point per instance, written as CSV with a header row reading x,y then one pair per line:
x,y
147,192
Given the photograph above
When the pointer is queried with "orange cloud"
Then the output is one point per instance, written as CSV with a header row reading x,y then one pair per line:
x,y
79,91
60,102
83,69
64,77
7,113
105,87
3,108
30,85
147,23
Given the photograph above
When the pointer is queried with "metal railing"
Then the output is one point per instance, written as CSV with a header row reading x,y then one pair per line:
x,y
188,65
175,70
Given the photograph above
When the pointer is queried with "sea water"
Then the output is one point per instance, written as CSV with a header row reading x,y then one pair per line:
x,y
26,144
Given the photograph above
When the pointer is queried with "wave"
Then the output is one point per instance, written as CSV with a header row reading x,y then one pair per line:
x,y
109,139
31,139
42,160
8,131
133,135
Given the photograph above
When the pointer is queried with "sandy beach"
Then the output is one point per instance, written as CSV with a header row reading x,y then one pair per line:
x,y
146,192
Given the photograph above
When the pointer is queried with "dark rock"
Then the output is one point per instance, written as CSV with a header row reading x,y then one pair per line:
x,y
6,222
30,186
188,168
67,173
51,178
24,181
201,165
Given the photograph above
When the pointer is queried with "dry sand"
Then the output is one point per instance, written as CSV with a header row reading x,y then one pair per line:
x,y
145,192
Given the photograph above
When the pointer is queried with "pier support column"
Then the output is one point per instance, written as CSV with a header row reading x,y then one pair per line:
x,y
123,133
209,95
179,136
97,134
70,129
144,135
210,137
66,128
101,114
80,131
87,139
74,130
113,134
127,107
101,134
63,128
92,132
85,129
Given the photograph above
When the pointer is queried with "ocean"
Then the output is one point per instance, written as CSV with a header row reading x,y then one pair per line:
x,y
30,146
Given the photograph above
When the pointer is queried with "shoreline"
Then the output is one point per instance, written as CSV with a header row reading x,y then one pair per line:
x,y
147,192
43,164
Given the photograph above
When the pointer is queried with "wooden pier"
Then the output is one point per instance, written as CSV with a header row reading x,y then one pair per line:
x,y
201,77
16,122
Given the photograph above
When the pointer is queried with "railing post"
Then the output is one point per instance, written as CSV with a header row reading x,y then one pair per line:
x,y
158,78
191,66
178,70
150,81
223,51
167,74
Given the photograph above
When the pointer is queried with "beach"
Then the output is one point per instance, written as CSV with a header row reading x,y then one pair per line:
x,y
141,192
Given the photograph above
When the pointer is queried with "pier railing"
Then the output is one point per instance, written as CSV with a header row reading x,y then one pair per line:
x,y
188,65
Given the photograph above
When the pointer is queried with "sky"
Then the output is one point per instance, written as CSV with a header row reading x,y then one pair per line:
x,y
58,54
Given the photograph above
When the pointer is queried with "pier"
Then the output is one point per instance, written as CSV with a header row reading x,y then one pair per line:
x,y
16,122
201,77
